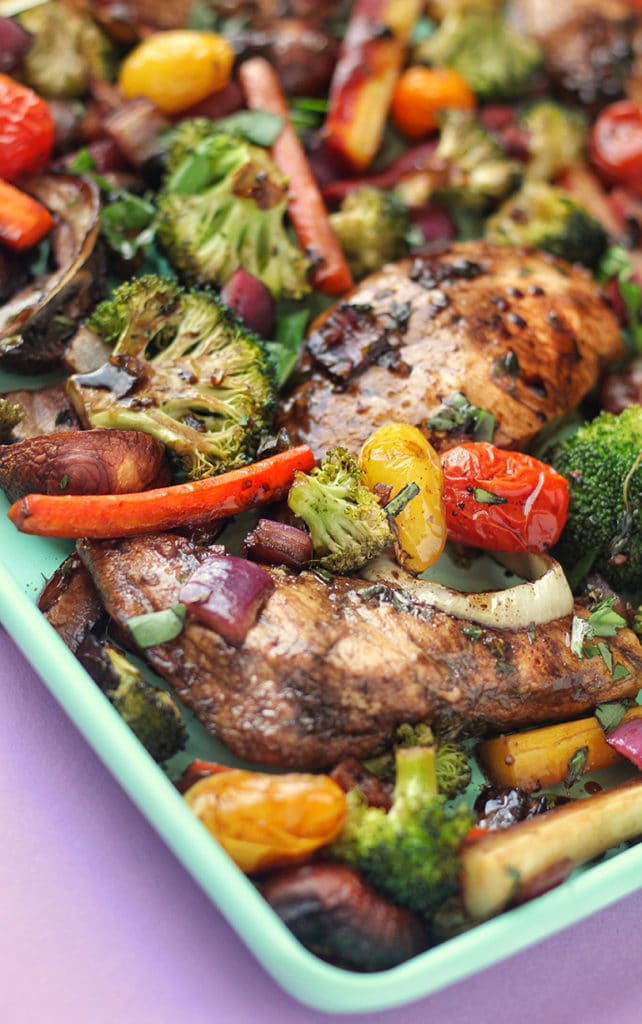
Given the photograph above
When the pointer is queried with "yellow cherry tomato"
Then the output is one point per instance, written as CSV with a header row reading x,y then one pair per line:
x,y
398,454
422,93
177,69
268,821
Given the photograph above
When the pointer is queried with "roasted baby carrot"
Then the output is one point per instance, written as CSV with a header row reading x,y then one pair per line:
x,y
306,207
190,504
23,220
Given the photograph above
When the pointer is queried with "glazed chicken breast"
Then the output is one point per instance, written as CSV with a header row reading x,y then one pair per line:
x,y
521,334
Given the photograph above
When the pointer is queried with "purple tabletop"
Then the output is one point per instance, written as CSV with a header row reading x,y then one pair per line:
x,y
102,925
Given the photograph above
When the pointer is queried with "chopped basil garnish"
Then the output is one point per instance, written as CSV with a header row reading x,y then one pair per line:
x,y
576,766
399,502
157,627
457,413
602,622
611,712
472,633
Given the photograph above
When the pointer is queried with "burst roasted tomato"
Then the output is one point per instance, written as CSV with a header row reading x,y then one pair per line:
x,y
502,500
26,130
615,145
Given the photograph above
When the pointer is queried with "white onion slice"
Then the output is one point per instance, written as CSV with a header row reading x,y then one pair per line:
x,y
544,596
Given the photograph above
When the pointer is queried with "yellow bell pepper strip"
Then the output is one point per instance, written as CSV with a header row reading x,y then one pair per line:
x,y
163,508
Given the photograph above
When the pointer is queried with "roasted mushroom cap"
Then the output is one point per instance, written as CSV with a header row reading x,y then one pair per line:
x,y
36,322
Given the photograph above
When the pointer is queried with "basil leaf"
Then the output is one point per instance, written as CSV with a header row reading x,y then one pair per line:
x,y
604,620
620,671
610,713
576,766
284,350
157,627
399,502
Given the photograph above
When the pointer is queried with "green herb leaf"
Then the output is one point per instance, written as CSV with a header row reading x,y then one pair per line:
x,y
399,502
472,633
604,621
284,350
620,671
257,126
82,162
576,766
610,713
127,223
616,263
580,632
157,627
457,413
607,657
485,497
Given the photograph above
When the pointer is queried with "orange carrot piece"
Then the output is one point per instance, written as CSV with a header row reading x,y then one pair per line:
x,y
262,91
23,220
190,504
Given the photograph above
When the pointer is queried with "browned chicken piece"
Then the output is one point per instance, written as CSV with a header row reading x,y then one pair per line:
x,y
589,46
83,462
521,334
325,673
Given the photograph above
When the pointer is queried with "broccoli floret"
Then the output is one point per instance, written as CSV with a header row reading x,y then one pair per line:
x,y
546,217
222,206
476,170
68,51
347,524
184,370
602,462
152,714
410,852
10,415
453,768
556,139
373,227
496,61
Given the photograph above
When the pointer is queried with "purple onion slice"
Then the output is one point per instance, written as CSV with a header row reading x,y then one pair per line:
x,y
226,593
626,738
278,544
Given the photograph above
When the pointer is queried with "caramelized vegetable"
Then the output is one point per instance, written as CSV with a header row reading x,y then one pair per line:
x,y
398,454
543,757
267,821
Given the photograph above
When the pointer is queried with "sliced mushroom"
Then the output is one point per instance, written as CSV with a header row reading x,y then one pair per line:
x,y
36,322
83,462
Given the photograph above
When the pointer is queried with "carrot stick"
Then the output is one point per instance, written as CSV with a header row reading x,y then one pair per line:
x,y
190,504
23,220
306,207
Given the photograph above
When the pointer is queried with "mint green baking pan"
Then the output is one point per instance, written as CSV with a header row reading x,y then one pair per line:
x,y
25,562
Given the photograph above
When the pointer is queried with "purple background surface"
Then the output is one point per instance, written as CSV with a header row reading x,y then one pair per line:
x,y
102,925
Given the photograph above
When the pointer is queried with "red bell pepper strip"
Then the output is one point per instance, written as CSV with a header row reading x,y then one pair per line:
x,y
23,220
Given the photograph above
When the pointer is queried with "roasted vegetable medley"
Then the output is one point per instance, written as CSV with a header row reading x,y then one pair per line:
x,y
321,345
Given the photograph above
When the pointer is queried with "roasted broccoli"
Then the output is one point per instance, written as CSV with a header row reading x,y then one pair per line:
x,y
410,852
602,462
347,524
184,370
222,206
152,714
68,50
10,415
373,226
546,217
496,61
453,768
556,139
476,170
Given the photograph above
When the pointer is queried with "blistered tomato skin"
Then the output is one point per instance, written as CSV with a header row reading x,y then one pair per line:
x,y
177,69
26,130
267,821
615,145
502,500
398,454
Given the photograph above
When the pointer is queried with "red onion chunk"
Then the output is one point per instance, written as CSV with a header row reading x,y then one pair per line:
x,y
626,738
136,128
226,593
435,224
278,544
251,301
14,43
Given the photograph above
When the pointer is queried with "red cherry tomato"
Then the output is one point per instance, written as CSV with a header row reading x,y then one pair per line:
x,y
615,145
26,130
502,500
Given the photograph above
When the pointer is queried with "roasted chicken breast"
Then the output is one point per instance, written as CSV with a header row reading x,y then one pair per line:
x,y
521,334
327,672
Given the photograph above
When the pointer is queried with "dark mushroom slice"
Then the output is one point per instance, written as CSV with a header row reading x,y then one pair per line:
x,y
44,411
71,603
83,462
341,918
39,318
